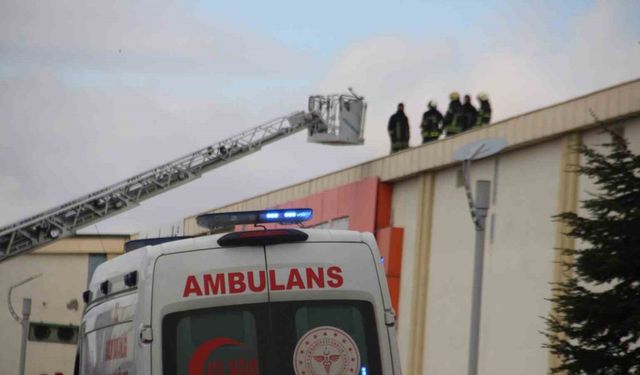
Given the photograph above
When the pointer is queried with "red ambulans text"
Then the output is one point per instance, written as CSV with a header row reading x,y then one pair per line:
x,y
256,281
115,348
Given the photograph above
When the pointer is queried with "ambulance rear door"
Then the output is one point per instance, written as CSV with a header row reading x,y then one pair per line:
x,y
201,329
326,308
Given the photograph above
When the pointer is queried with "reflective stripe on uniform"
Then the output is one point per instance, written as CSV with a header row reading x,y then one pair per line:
x,y
432,133
454,128
484,118
399,145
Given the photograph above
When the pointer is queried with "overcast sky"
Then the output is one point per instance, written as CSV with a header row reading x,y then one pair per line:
x,y
92,92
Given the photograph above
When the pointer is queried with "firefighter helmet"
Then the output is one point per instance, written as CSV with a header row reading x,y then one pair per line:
x,y
454,95
483,96
432,104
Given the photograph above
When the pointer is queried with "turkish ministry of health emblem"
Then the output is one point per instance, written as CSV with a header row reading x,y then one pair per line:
x,y
326,351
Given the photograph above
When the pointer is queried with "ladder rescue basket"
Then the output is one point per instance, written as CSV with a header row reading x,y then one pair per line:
x,y
342,118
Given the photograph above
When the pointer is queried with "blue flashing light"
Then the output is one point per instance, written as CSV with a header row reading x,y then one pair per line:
x,y
291,215
272,215
363,370
229,219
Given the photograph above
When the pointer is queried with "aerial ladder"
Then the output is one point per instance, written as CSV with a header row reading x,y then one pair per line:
x,y
330,119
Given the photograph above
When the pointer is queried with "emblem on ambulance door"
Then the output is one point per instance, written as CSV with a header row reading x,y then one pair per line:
x,y
326,351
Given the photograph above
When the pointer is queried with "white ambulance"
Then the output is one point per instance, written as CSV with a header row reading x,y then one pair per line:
x,y
266,301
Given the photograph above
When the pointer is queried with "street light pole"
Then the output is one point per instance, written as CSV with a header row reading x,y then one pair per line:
x,y
478,210
26,313
483,189
24,321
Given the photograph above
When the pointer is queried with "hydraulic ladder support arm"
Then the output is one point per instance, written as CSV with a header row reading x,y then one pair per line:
x,y
63,221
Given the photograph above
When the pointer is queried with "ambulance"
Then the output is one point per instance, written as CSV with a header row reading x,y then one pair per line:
x,y
268,301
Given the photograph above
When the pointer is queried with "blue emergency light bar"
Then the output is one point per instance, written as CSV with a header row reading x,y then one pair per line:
x,y
228,219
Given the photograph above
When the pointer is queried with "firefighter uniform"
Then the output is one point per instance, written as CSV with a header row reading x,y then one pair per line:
x,y
484,112
399,130
452,121
469,114
431,123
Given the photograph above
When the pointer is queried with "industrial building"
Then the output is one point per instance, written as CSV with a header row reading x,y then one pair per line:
x,y
65,268
414,202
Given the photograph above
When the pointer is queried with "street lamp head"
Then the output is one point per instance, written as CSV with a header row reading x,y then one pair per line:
x,y
480,149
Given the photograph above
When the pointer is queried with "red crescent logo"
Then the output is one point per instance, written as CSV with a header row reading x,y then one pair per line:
x,y
196,363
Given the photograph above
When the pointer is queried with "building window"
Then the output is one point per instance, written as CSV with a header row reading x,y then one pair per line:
x,y
94,261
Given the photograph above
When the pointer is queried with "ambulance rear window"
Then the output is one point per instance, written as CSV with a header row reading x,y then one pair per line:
x,y
217,341
264,339
350,321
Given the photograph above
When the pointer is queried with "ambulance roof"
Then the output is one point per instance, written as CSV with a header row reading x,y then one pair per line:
x,y
136,260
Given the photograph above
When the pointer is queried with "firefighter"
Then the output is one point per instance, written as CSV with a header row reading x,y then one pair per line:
x,y
399,130
469,114
484,112
431,123
451,121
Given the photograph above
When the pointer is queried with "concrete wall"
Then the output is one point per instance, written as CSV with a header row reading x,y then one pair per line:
x,y
64,278
449,291
64,268
593,138
517,269
404,214
518,265
528,189
632,132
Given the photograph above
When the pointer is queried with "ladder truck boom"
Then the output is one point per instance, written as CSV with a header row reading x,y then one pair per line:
x,y
330,120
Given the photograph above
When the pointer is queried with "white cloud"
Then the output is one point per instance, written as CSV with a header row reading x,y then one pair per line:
x,y
144,35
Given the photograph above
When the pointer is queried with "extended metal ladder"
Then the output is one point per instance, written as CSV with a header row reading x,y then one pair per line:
x,y
65,220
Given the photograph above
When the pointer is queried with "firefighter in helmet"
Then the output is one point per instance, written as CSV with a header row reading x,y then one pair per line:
x,y
469,114
451,121
431,123
484,111
398,129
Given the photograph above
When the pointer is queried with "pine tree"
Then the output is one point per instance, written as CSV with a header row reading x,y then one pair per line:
x,y
596,325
